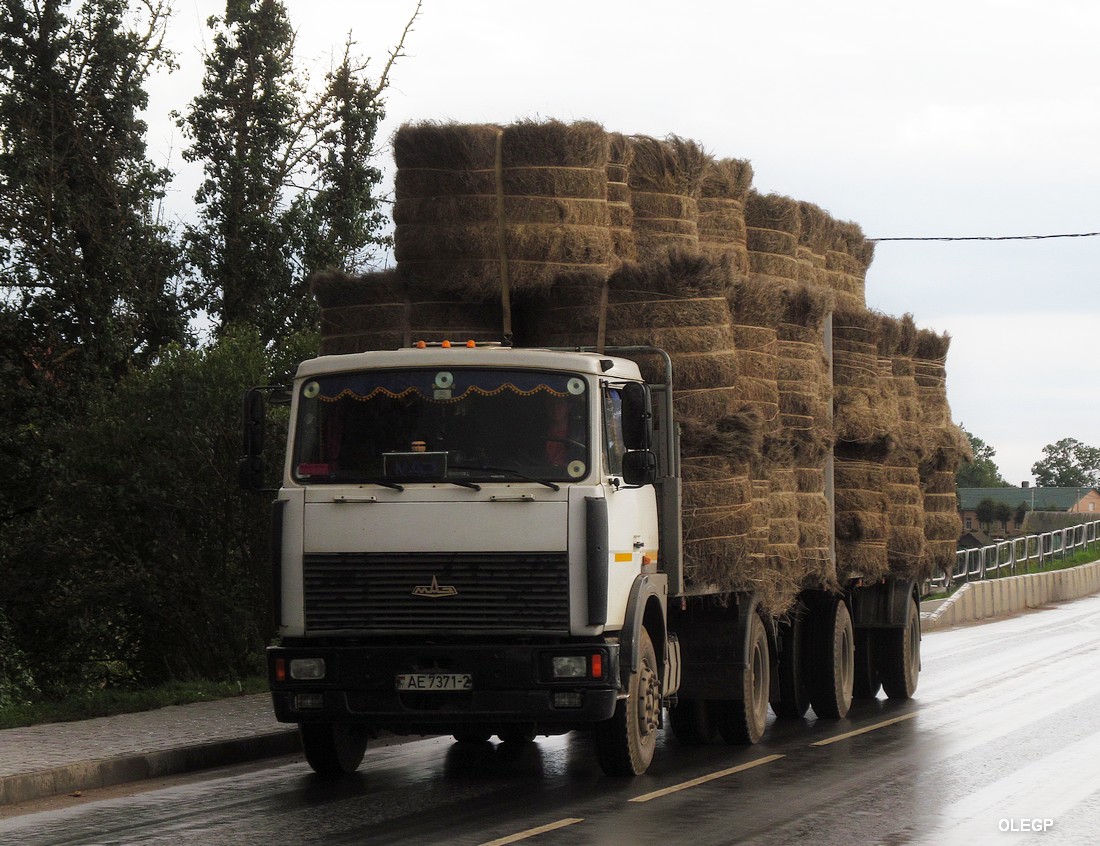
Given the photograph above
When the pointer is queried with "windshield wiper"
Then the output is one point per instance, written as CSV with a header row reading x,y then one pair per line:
x,y
471,485
515,473
392,485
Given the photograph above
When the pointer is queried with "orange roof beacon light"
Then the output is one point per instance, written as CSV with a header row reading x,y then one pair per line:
x,y
420,345
446,345
471,344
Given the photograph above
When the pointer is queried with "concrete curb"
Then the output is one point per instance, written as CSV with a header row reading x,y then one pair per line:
x,y
996,597
88,775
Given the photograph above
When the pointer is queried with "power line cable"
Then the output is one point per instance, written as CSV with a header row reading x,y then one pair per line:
x,y
995,237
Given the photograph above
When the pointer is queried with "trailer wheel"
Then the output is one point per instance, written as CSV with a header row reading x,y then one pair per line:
x,y
794,695
833,664
692,722
333,749
868,678
900,656
742,721
625,743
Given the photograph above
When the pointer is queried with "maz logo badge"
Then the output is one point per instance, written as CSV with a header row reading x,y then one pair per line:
x,y
435,589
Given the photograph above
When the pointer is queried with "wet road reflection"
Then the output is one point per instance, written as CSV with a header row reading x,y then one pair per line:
x,y
1003,730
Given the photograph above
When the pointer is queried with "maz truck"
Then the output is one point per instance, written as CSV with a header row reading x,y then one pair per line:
x,y
479,540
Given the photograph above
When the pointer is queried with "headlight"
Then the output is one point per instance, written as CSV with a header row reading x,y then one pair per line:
x,y
307,669
570,666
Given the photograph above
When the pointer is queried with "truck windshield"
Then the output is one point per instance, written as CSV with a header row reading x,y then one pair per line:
x,y
460,425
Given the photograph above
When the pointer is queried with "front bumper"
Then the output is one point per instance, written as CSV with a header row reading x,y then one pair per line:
x,y
510,685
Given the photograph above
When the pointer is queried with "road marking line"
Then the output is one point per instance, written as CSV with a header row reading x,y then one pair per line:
x,y
532,832
695,782
884,723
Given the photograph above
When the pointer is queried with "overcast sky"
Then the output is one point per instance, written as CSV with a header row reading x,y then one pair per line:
x,y
944,118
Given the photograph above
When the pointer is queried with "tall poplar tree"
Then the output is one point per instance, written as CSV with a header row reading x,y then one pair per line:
x,y
84,261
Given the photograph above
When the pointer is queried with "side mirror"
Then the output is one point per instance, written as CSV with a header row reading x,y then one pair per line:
x,y
250,467
253,419
639,468
637,416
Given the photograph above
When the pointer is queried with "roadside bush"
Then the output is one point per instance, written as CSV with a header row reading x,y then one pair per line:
x,y
146,563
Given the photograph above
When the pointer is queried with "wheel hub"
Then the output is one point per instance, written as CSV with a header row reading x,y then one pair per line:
x,y
649,700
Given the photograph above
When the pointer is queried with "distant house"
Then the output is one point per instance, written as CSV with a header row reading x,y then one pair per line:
x,y
974,539
1073,500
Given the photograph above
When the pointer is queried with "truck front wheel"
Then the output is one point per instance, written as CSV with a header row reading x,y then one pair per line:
x,y
333,749
625,743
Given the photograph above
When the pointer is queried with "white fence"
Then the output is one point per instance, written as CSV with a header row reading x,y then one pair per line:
x,y
1005,557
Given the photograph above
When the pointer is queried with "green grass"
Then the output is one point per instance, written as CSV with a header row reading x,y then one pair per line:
x,y
105,703
1085,556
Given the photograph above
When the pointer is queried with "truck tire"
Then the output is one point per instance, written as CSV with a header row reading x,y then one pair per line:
x,y
833,660
523,733
692,722
472,736
625,743
742,721
794,695
333,749
899,660
868,678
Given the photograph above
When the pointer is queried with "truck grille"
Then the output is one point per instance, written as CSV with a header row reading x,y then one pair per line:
x,y
467,592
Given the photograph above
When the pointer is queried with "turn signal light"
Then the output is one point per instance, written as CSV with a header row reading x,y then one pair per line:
x,y
595,665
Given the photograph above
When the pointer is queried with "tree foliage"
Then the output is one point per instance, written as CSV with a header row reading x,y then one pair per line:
x,y
1068,463
149,563
131,555
85,262
986,512
87,272
982,472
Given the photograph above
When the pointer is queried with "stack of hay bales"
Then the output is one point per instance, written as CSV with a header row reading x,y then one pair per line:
x,y
665,179
599,239
620,213
722,232
483,209
946,447
864,414
805,439
906,550
384,310
814,236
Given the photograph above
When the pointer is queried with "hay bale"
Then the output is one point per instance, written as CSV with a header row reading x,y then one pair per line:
x,y
847,258
666,177
721,221
772,224
814,236
734,439
865,408
861,519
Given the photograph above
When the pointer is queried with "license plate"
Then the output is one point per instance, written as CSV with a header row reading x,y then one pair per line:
x,y
435,681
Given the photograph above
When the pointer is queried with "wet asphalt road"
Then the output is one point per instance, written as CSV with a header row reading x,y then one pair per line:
x,y
1002,738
